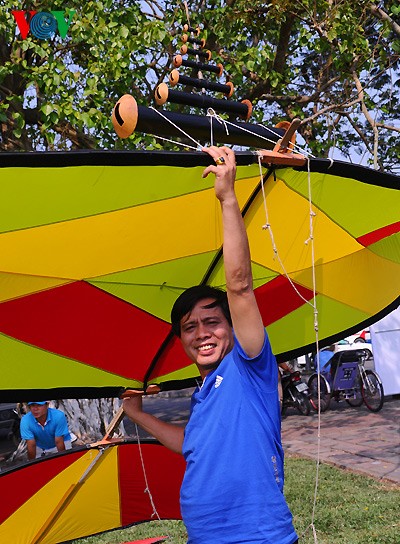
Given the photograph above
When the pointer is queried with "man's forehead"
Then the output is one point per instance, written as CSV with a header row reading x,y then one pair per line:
x,y
202,309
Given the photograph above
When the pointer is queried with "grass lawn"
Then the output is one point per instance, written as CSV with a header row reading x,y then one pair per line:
x,y
351,509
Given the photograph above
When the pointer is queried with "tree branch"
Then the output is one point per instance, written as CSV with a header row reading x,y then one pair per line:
x,y
383,16
368,117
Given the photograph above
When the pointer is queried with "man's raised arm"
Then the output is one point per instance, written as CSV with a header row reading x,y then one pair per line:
x,y
246,318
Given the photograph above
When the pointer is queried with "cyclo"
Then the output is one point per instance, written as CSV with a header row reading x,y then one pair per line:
x,y
344,376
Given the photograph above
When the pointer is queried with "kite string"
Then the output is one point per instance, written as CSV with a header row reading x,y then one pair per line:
x,y
267,226
213,115
198,145
146,482
312,216
310,240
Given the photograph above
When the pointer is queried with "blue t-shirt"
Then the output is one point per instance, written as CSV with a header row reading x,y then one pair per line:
x,y
232,491
56,425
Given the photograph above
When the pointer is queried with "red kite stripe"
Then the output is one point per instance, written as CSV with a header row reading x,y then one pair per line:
x,y
277,298
134,490
377,235
86,324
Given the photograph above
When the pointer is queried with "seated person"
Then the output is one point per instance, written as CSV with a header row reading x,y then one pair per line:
x,y
45,430
325,355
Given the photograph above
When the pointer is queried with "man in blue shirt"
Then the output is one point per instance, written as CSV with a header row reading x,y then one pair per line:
x,y
45,430
232,490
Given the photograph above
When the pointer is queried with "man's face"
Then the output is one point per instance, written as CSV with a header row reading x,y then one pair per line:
x,y
38,410
206,336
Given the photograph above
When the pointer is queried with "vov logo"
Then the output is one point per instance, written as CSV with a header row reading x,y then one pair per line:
x,y
42,24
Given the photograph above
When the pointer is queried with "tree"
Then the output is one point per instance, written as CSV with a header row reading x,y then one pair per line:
x,y
333,63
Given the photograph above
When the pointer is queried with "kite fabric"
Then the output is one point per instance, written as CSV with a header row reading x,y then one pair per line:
x,y
96,246
87,491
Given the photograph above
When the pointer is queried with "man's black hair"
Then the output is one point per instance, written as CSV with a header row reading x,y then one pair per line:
x,y
188,300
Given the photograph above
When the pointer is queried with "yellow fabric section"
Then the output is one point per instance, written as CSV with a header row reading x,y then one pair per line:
x,y
346,280
29,367
190,371
289,218
297,328
139,236
18,285
95,508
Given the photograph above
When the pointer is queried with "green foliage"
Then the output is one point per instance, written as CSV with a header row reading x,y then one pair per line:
x,y
306,58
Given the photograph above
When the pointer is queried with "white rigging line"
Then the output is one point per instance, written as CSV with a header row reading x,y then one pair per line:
x,y
199,146
313,304
213,115
146,482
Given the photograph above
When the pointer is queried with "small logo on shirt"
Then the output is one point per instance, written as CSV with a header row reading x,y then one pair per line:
x,y
275,467
218,381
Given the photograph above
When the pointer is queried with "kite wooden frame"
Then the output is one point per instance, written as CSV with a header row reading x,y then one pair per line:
x,y
282,154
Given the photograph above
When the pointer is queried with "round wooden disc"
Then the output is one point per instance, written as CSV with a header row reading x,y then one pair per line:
x,y
177,61
161,94
174,77
250,108
124,116
232,88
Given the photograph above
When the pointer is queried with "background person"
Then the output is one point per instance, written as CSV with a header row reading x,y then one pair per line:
x,y
45,430
232,491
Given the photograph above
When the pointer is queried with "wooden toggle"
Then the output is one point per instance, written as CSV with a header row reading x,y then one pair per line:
x,y
152,389
175,77
188,39
163,94
187,28
281,154
199,66
185,50
128,117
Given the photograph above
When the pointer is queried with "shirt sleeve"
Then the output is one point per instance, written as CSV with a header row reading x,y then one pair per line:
x,y
62,425
263,366
26,433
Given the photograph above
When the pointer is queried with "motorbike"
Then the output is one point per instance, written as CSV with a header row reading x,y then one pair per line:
x,y
295,393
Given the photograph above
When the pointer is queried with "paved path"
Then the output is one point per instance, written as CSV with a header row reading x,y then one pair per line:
x,y
352,438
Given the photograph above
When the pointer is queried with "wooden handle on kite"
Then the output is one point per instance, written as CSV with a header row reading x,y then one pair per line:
x,y
163,94
175,77
152,389
199,66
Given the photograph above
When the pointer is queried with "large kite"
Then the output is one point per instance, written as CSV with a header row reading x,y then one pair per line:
x,y
96,246
86,491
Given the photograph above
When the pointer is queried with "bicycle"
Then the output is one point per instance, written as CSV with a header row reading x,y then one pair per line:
x,y
347,379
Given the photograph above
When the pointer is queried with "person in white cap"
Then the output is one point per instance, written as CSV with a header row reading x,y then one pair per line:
x,y
45,430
